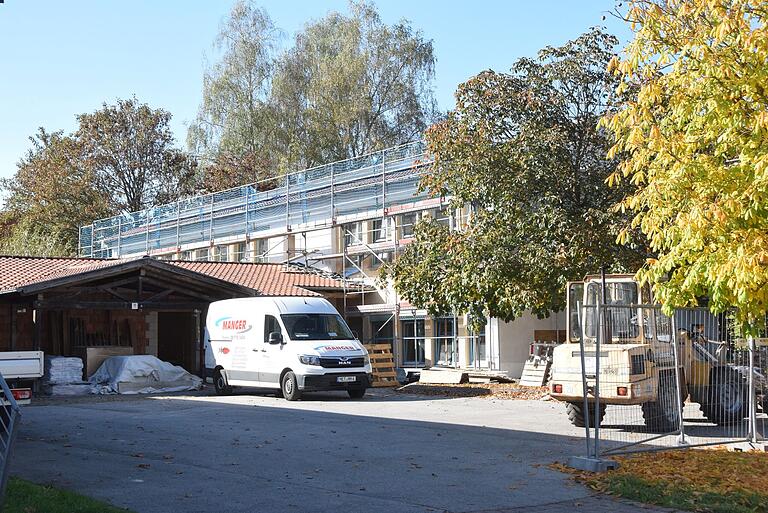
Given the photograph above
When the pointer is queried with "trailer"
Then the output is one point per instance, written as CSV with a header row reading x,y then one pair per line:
x,y
21,370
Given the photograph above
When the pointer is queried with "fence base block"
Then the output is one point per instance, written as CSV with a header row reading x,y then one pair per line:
x,y
750,447
591,464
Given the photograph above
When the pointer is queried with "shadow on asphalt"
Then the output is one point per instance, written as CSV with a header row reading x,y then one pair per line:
x,y
173,454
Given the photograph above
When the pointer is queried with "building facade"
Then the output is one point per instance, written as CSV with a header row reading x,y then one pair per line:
x,y
346,219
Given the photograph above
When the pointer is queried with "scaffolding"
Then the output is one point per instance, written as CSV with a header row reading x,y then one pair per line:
x,y
378,186
359,188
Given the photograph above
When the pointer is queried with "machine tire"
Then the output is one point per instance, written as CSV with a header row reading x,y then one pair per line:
x,y
576,413
290,387
220,383
356,393
662,415
726,401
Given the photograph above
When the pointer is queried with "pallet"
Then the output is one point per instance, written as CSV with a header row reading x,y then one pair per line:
x,y
535,373
382,364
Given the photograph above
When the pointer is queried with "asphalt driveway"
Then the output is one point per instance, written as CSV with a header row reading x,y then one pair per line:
x,y
248,453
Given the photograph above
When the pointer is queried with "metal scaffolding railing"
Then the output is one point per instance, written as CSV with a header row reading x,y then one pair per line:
x,y
352,189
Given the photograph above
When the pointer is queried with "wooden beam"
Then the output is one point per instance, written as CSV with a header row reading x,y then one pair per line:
x,y
118,305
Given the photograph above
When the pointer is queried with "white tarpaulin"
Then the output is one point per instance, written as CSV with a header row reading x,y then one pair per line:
x,y
141,374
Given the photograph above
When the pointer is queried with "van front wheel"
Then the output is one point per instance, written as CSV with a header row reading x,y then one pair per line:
x,y
290,387
356,393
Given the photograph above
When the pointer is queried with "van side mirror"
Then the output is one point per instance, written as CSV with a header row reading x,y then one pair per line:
x,y
275,337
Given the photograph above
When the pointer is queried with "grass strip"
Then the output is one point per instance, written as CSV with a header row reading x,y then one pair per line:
x,y
26,497
714,481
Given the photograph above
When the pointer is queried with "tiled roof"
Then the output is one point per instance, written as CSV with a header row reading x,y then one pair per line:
x,y
16,272
268,279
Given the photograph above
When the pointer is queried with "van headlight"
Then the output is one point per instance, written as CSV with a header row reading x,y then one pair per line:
x,y
308,359
366,360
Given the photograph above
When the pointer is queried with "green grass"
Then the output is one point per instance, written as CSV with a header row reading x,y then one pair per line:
x,y
25,497
683,497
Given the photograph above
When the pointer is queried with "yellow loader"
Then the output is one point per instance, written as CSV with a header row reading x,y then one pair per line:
x,y
637,361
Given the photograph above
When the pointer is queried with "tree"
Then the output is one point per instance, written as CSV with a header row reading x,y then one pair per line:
x,y
695,139
351,85
523,154
130,148
51,195
120,159
235,124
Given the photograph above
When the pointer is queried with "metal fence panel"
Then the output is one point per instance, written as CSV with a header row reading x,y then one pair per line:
x,y
655,382
10,416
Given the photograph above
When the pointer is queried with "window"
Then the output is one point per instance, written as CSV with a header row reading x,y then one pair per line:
x,y
354,264
376,261
186,255
353,234
270,325
203,254
240,252
622,300
382,330
220,253
477,349
262,248
413,342
379,230
575,300
407,222
316,327
445,341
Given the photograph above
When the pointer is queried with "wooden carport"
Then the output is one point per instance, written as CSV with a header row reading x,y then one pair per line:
x,y
118,304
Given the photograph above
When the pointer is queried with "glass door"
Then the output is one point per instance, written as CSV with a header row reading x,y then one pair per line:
x,y
413,342
445,342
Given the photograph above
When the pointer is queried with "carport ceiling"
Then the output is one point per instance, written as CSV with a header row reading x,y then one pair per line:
x,y
153,284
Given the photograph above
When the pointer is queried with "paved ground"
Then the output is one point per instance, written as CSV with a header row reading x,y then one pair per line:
x,y
388,453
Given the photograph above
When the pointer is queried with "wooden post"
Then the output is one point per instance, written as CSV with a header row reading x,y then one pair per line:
x,y
198,342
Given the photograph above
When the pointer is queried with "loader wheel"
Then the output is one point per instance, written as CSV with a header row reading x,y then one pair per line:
x,y
726,399
576,413
662,415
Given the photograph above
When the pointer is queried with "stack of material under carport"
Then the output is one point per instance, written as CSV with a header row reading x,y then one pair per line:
x,y
64,376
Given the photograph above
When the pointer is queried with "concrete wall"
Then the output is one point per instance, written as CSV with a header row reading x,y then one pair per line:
x,y
511,340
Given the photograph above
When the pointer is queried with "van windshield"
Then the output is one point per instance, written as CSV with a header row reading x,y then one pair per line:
x,y
316,327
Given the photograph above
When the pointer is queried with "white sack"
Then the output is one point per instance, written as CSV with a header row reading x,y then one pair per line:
x,y
63,370
141,374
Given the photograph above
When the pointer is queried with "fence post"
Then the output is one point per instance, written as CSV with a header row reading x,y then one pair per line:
x,y
752,392
678,399
583,373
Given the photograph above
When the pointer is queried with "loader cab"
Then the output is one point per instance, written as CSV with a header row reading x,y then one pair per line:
x,y
627,324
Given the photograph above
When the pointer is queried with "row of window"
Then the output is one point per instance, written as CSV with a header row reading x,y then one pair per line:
x,y
413,340
384,229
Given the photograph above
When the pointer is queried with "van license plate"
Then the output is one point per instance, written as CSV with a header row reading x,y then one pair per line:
x,y
346,379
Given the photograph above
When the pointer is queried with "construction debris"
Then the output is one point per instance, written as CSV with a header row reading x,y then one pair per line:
x,y
485,390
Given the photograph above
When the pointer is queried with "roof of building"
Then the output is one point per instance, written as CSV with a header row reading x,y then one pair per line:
x,y
18,272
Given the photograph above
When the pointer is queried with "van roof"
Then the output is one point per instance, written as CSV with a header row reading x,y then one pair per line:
x,y
288,304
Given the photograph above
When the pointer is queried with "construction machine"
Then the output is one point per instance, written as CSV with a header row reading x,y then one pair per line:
x,y
636,361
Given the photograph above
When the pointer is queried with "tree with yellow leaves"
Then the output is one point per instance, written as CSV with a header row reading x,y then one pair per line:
x,y
695,142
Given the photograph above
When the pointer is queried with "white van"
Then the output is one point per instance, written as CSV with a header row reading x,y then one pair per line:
x,y
289,344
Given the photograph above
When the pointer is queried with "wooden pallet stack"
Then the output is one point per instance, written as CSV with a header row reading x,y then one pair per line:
x,y
383,365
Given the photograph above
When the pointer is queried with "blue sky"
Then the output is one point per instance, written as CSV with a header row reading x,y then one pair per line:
x,y
63,58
